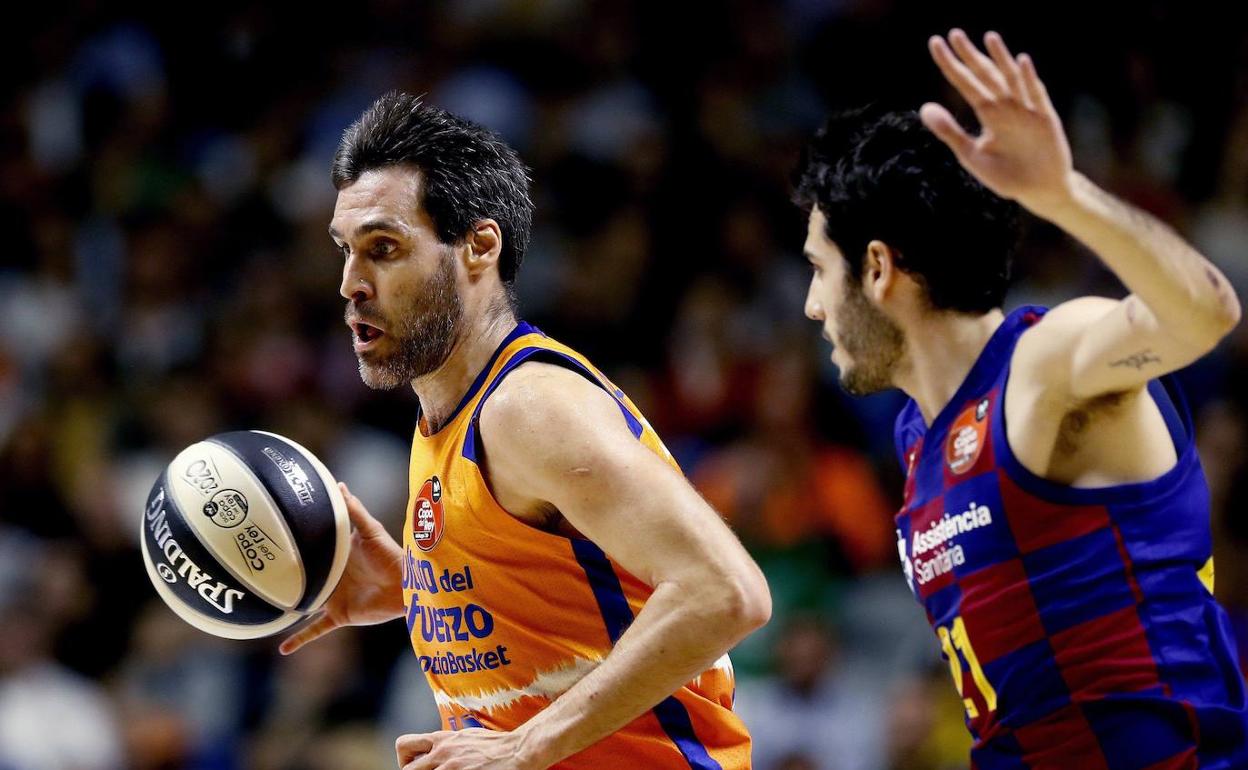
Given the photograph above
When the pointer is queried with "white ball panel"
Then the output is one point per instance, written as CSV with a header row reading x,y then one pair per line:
x,y
236,519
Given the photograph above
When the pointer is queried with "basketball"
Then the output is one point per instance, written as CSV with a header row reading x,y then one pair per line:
x,y
244,534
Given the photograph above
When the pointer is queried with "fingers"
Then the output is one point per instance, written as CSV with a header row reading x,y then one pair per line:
x,y
315,630
360,517
983,68
1005,62
941,123
981,79
957,73
409,747
1036,91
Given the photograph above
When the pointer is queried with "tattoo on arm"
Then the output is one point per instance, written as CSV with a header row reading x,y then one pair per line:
x,y
1137,361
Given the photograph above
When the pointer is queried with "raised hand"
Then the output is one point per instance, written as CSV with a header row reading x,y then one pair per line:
x,y
1021,152
370,590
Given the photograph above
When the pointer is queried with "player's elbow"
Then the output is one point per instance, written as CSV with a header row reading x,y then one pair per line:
x,y
1230,313
745,603
756,611
1220,316
1214,324
1200,327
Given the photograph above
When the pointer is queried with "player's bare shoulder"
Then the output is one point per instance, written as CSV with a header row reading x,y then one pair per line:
x,y
1045,355
539,402
546,427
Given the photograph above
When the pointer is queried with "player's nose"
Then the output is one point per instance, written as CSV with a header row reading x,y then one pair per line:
x,y
814,308
355,285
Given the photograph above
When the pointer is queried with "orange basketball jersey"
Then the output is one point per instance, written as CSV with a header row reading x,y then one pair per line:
x,y
505,617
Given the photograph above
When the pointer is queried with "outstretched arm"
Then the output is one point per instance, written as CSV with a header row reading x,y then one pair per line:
x,y
1180,304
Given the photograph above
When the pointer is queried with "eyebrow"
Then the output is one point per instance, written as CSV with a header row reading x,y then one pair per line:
x,y
372,225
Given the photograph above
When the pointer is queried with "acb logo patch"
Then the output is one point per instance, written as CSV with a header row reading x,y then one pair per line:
x,y
428,520
966,437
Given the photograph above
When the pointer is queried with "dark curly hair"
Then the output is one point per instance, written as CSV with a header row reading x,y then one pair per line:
x,y
883,176
467,172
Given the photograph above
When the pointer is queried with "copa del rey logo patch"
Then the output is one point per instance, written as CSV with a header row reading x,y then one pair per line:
x,y
428,521
966,437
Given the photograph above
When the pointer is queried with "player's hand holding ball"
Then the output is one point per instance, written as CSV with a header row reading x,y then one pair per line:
x,y
368,592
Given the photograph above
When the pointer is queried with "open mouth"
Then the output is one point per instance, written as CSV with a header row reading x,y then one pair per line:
x,y
365,334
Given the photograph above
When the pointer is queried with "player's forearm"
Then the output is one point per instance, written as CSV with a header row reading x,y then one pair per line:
x,y
1186,293
678,635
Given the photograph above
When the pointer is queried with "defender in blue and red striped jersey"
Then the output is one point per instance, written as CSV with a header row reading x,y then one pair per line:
x,y
1056,518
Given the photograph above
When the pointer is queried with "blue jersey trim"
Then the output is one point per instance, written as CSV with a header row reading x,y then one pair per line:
x,y
1170,399
1178,423
617,615
674,719
903,428
472,441
522,328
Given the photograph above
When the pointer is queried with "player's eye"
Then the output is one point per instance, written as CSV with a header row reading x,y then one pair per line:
x,y
382,248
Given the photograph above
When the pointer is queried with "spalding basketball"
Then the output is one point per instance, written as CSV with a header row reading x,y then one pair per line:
x,y
245,534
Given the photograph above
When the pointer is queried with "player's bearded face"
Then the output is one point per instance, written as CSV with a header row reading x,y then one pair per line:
x,y
870,340
421,326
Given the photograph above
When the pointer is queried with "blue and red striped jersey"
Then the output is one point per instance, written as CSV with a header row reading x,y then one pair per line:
x,y
1079,624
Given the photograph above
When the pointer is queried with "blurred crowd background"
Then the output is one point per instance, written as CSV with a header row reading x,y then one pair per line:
x,y
166,275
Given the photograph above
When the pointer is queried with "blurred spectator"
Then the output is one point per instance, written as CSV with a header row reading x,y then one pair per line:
x,y
320,688
50,718
926,724
783,484
816,712
182,694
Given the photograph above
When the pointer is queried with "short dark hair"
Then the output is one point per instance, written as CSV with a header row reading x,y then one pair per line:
x,y
883,176
467,172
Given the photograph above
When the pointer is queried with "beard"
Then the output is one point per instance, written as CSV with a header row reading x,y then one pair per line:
x,y
872,341
422,339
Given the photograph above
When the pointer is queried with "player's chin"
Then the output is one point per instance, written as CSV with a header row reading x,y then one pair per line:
x,y
857,382
854,387
376,375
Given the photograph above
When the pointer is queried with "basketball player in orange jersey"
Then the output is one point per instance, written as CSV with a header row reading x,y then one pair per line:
x,y
1055,524
568,594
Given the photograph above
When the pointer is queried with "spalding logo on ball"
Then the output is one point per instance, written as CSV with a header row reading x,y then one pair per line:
x,y
245,534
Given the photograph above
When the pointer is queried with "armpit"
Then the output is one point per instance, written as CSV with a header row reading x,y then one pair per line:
x,y
1075,425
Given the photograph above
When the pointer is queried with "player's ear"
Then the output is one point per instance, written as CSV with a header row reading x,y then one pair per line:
x,y
880,272
484,244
